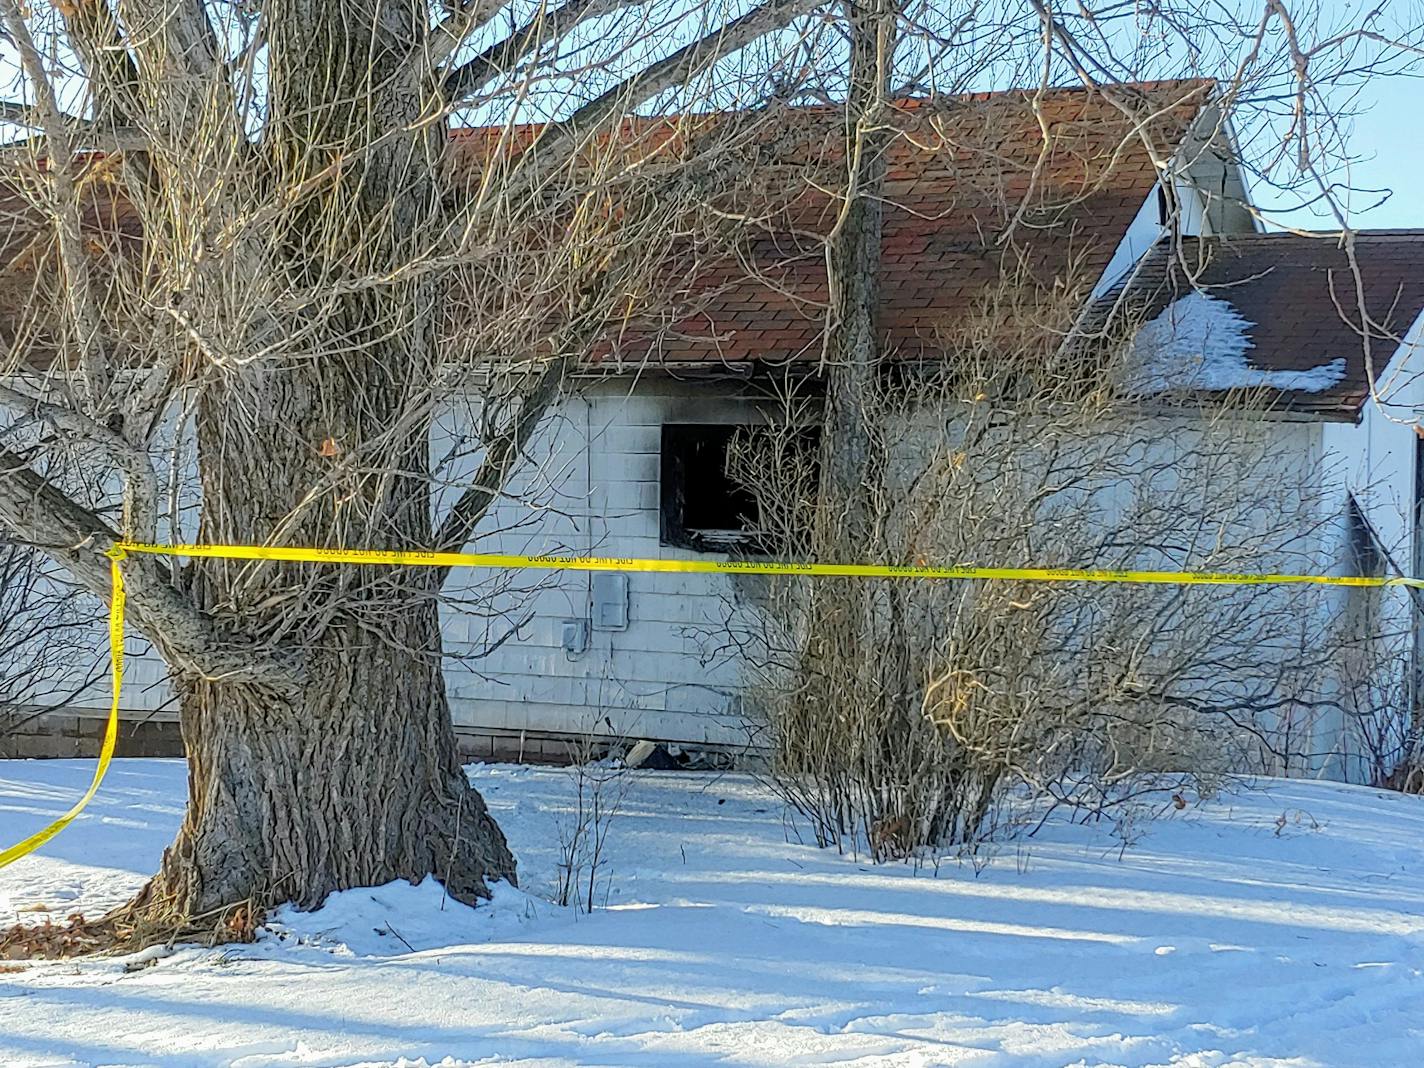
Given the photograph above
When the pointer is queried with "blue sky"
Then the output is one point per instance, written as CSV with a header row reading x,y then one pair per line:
x,y
1390,135
1388,139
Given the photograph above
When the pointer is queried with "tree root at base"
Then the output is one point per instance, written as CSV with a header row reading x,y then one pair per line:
x,y
132,927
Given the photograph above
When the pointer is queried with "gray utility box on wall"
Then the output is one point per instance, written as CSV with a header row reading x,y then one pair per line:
x,y
574,635
610,600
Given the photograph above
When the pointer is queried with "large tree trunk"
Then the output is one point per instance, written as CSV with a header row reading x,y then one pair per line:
x,y
349,776
351,781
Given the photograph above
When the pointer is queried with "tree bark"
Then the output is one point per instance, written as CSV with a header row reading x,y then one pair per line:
x,y
850,439
348,775
352,780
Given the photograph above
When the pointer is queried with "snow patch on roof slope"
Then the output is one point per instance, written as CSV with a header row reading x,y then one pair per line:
x,y
1200,342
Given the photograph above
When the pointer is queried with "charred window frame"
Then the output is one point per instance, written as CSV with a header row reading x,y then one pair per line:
x,y
702,507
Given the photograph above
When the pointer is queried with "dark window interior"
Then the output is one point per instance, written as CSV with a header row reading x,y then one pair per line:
x,y
705,509
1368,553
702,508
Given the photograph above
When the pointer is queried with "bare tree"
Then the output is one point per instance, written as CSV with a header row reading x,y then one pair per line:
x,y
249,219
871,733
254,224
896,723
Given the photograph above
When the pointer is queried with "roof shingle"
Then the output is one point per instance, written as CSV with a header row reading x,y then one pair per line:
x,y
972,193
1300,302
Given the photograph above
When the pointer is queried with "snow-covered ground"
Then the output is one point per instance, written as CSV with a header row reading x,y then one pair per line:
x,y
1279,926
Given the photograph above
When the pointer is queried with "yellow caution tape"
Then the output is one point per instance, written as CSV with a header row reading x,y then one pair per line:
x,y
415,558
401,558
111,732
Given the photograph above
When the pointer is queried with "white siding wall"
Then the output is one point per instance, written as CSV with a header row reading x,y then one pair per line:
x,y
592,488
1375,458
1375,461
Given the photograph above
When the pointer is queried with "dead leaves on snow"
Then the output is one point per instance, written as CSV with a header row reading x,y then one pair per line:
x,y
126,930
51,941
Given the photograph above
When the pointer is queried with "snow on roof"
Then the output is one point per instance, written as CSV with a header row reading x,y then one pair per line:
x,y
1286,312
1200,342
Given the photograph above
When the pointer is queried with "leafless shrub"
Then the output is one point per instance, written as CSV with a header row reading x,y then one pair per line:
x,y
601,783
898,710
1386,747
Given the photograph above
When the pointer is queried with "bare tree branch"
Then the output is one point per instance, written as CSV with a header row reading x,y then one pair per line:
x,y
77,538
501,454
545,27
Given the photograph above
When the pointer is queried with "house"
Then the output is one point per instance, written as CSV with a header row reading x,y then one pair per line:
x,y
1140,211
633,466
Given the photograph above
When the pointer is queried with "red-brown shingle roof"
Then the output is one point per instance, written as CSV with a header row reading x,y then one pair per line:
x,y
1298,302
970,194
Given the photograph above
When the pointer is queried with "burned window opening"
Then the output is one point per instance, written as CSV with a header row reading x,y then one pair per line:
x,y
708,508
703,507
